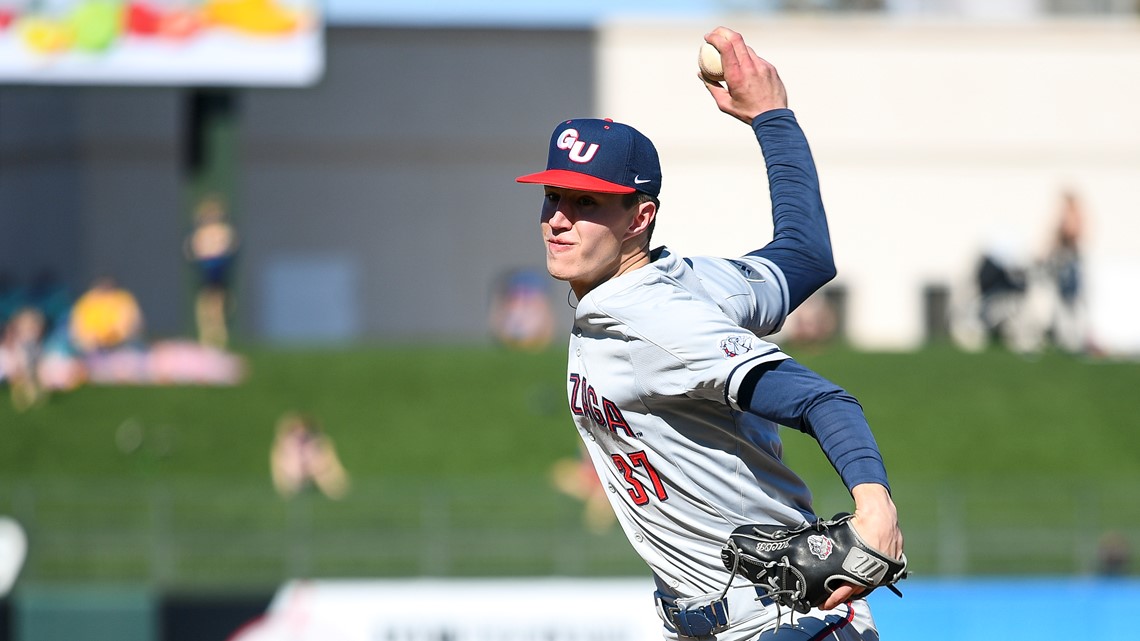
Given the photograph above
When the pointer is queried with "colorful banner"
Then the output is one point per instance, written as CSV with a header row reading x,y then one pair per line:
x,y
161,42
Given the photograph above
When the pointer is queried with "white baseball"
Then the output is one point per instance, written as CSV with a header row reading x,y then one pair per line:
x,y
709,62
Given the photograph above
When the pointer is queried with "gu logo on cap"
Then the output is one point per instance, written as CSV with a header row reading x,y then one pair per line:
x,y
569,140
601,156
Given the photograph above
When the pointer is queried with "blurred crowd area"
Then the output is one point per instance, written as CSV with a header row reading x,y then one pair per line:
x,y
1027,300
53,339
1015,296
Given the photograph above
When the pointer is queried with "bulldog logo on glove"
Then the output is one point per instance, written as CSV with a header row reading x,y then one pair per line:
x,y
820,546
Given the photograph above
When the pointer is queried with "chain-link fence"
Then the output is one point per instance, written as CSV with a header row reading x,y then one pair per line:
x,y
221,535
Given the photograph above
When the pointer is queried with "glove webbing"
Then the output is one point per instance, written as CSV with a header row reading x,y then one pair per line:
x,y
771,589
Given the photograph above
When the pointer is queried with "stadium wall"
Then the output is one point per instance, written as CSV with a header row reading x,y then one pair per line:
x,y
380,204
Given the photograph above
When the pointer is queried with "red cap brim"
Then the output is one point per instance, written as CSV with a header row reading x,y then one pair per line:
x,y
574,180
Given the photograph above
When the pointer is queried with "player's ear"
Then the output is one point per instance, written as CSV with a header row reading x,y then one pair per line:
x,y
646,212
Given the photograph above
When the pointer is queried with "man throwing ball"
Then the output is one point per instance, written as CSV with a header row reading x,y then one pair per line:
x,y
678,400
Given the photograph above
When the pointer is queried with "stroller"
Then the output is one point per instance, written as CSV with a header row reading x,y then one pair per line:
x,y
1008,304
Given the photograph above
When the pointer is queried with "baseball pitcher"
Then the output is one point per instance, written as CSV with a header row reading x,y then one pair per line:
x,y
678,399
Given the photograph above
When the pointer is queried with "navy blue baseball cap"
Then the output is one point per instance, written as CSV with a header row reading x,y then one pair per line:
x,y
601,156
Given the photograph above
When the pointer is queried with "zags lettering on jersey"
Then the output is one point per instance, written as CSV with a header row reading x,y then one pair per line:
x,y
584,401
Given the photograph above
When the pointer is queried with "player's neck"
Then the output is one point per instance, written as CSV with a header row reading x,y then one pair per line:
x,y
632,258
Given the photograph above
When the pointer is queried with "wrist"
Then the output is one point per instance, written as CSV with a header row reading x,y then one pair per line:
x,y
872,497
769,114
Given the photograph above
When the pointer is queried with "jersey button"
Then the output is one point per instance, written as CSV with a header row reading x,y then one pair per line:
x,y
639,537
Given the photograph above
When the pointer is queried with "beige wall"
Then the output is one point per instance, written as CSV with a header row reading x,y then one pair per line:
x,y
932,139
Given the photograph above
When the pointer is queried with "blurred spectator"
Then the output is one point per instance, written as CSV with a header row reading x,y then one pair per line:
x,y
33,327
1113,554
812,324
1063,264
20,348
578,478
105,317
61,366
212,247
1014,300
1003,280
183,362
521,317
303,453
1029,302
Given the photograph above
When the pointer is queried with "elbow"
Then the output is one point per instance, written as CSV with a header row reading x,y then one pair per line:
x,y
816,256
824,260
827,271
823,266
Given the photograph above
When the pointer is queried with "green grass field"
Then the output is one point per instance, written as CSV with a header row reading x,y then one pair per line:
x,y
999,464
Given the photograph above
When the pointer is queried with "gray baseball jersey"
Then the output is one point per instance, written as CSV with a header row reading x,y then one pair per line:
x,y
683,465
655,359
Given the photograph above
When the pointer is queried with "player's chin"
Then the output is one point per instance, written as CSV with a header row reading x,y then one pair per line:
x,y
558,269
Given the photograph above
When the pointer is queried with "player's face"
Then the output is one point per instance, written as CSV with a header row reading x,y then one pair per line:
x,y
584,233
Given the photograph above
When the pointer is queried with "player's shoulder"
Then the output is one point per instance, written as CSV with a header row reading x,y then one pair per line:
x,y
721,271
665,282
665,305
750,289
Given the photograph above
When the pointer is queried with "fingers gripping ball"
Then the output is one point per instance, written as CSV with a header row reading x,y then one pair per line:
x,y
800,568
710,64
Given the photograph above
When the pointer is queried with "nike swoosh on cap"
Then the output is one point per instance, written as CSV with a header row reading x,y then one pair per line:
x,y
638,181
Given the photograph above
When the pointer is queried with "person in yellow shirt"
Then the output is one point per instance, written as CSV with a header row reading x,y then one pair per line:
x,y
105,317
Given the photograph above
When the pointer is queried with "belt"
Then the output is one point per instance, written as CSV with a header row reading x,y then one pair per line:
x,y
693,620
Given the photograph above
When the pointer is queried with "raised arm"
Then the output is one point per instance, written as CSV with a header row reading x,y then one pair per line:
x,y
753,93
801,243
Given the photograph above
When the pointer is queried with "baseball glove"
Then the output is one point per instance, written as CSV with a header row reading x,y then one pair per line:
x,y
800,568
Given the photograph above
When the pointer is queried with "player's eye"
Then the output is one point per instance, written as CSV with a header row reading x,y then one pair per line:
x,y
552,197
586,201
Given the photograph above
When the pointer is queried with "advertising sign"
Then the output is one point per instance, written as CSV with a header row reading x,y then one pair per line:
x,y
161,42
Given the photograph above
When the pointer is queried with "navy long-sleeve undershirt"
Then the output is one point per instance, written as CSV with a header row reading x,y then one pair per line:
x,y
801,244
790,394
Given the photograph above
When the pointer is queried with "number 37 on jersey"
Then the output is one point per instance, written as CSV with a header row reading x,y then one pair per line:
x,y
642,480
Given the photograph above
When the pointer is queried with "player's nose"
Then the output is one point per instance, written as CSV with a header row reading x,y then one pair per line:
x,y
557,219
